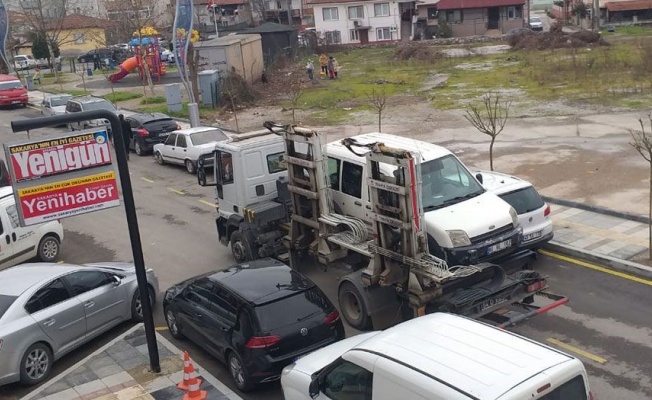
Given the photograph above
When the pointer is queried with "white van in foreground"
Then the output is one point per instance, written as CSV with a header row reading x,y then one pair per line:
x,y
436,357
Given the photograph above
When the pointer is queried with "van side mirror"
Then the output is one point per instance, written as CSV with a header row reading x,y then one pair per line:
x,y
314,388
478,176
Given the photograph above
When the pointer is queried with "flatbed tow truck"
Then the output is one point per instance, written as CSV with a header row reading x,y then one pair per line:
x,y
393,275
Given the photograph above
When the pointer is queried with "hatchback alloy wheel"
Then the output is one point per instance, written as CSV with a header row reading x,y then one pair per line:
x,y
237,372
171,320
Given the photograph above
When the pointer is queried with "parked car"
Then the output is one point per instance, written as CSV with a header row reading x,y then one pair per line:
x,y
55,104
533,212
167,56
185,146
48,310
21,244
149,129
437,356
257,318
12,91
87,103
536,24
96,55
24,61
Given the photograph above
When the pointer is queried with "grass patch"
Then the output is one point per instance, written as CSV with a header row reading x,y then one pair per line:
x,y
153,100
204,112
631,30
122,96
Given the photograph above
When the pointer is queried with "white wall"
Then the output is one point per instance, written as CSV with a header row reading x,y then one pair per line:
x,y
344,24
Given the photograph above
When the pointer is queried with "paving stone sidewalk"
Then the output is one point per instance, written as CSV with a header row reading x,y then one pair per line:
x,y
120,371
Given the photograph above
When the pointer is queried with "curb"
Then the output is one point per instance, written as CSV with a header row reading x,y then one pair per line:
x,y
601,210
604,260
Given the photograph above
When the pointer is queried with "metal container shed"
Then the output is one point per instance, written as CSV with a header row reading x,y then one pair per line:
x,y
242,54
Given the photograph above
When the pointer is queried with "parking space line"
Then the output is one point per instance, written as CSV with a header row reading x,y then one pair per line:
x,y
597,267
208,203
146,179
161,328
176,191
33,108
575,350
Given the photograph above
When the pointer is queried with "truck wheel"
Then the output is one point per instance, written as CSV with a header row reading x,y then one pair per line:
x,y
240,247
353,307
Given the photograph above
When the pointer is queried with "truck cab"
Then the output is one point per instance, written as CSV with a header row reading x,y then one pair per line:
x,y
465,223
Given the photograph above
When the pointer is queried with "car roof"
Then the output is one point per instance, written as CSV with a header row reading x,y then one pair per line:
x,y
261,281
6,192
8,78
15,280
428,151
145,117
500,183
471,356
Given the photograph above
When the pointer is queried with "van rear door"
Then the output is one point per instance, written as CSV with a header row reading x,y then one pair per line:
x,y
565,381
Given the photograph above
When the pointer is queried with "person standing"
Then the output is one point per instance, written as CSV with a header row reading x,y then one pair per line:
x,y
323,60
336,66
331,68
310,68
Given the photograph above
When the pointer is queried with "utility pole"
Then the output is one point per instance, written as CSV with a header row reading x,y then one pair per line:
x,y
595,13
215,20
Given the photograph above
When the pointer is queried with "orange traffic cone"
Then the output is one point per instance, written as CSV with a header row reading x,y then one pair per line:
x,y
188,373
193,390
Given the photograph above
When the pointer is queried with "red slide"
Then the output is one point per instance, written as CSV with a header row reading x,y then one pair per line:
x,y
127,66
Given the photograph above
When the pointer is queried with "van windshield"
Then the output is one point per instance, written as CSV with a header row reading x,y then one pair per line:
x,y
445,181
11,85
571,390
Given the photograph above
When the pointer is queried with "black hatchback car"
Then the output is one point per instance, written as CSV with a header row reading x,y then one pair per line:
x,y
256,317
149,129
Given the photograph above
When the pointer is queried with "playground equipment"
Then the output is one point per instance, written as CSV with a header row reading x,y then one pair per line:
x,y
147,55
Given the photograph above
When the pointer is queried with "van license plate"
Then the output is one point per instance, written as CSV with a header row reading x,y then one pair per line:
x,y
533,235
499,246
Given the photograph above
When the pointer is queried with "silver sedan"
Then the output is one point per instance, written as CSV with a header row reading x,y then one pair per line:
x,y
48,310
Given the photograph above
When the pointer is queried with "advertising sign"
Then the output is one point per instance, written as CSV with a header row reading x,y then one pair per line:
x,y
182,30
4,33
63,176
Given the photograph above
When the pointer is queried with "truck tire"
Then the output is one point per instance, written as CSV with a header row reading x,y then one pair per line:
x,y
352,306
240,247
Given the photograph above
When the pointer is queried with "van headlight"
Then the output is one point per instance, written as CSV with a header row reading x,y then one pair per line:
x,y
459,238
514,216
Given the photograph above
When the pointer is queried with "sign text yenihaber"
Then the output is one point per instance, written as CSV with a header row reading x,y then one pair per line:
x,y
62,176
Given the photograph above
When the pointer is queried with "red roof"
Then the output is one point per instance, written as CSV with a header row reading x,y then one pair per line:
x,y
78,21
629,5
466,4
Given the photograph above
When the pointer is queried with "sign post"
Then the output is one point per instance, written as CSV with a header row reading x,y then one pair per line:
x,y
93,188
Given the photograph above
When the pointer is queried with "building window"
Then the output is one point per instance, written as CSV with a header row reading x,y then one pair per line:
x,y
432,13
355,35
333,37
356,12
514,12
381,10
454,17
330,14
383,34
79,38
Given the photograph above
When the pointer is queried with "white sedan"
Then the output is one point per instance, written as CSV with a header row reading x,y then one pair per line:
x,y
533,212
185,146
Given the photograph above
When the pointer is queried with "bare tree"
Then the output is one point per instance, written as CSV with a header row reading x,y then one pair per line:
x,y
490,119
642,143
294,94
378,100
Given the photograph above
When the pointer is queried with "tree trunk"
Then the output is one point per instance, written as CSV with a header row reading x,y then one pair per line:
x,y
380,118
235,114
192,65
491,153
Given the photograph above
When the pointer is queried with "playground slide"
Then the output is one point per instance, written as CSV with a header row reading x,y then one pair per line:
x,y
127,66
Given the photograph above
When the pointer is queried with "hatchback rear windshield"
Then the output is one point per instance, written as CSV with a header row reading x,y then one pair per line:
x,y
290,310
59,101
157,124
571,390
5,303
11,85
524,200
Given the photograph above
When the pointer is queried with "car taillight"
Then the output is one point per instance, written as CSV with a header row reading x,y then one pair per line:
x,y
332,318
142,132
535,286
546,212
262,342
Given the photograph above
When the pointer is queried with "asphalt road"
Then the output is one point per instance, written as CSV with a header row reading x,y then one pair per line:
x,y
606,323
